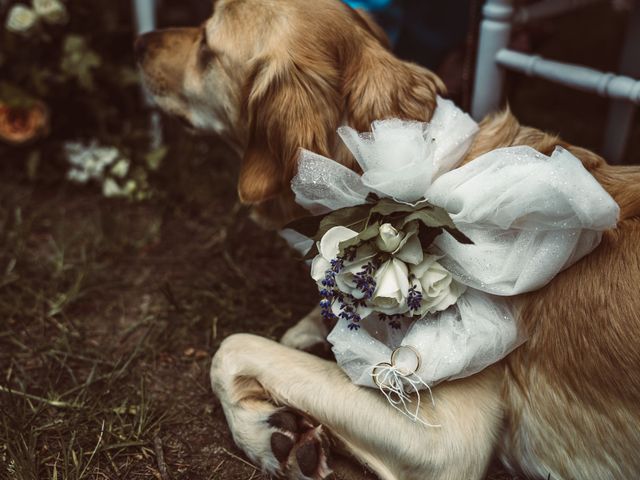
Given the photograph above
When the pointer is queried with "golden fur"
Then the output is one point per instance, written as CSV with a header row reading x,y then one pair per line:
x,y
276,76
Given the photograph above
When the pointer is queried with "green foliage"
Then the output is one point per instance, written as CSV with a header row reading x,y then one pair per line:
x,y
428,220
78,61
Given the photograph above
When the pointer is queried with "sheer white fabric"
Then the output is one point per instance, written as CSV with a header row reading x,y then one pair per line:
x,y
529,217
460,341
323,185
399,160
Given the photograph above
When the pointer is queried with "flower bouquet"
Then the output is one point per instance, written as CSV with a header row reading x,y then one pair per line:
x,y
378,263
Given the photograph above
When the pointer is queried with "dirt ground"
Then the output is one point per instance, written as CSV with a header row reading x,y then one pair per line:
x,y
110,310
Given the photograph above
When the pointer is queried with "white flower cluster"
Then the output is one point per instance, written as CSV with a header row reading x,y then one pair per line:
x,y
390,274
23,19
104,164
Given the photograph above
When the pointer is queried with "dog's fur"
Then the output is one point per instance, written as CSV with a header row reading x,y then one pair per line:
x,y
272,77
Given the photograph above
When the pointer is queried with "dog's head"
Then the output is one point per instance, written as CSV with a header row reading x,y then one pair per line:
x,y
272,77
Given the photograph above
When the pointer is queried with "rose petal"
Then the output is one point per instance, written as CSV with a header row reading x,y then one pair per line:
x,y
391,279
411,252
330,243
423,266
319,267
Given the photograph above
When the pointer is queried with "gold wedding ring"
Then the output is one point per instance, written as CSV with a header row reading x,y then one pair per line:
x,y
394,356
376,380
392,365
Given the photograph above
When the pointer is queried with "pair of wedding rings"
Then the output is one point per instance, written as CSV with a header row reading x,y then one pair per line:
x,y
392,364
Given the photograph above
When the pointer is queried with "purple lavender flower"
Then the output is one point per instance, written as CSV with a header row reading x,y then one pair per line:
x,y
414,300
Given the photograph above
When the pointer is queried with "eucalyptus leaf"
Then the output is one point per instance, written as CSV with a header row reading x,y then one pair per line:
x,y
386,206
355,218
431,217
365,235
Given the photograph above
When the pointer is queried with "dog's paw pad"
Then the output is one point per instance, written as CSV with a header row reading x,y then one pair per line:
x,y
308,455
281,446
284,420
299,446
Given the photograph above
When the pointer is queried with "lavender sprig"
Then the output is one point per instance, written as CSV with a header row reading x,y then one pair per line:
x,y
414,299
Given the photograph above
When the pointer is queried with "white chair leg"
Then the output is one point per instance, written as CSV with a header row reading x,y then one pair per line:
x,y
145,15
495,32
621,113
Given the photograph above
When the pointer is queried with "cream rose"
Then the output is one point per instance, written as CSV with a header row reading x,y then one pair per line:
x,y
329,248
388,238
439,289
21,19
345,279
392,288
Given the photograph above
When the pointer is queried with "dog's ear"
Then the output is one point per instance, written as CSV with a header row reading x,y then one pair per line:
x,y
291,104
379,85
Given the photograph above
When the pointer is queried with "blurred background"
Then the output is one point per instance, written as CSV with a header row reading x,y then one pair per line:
x,y
125,257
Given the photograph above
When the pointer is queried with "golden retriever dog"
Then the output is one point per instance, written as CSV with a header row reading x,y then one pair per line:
x,y
274,76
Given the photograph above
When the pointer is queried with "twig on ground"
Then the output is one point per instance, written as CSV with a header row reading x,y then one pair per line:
x,y
238,458
162,466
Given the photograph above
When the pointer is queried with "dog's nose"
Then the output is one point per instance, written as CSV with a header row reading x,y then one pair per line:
x,y
140,46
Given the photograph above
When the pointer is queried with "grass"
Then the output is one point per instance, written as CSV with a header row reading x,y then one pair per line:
x,y
109,314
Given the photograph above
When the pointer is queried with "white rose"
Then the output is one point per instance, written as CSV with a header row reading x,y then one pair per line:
x,y
392,287
439,289
388,238
329,248
410,249
21,19
51,11
345,277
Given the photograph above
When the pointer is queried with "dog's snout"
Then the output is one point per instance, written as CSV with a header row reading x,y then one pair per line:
x,y
146,43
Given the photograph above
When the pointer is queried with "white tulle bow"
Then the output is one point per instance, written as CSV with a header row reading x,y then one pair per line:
x,y
529,217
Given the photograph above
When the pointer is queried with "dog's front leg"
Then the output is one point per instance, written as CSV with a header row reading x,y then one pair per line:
x,y
261,383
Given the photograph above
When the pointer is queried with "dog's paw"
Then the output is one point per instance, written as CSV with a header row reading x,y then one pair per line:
x,y
299,446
